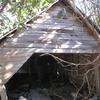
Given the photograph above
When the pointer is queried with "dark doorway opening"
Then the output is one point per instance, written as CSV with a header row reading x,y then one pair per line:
x,y
48,77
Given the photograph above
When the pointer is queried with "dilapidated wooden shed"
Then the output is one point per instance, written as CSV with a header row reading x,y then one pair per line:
x,y
60,30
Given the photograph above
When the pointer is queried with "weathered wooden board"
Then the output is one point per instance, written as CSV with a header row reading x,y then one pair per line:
x,y
58,31
51,39
80,28
11,60
6,73
17,53
53,42
70,33
50,46
53,35
45,22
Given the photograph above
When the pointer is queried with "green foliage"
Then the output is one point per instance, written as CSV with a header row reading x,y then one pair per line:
x,y
98,20
17,12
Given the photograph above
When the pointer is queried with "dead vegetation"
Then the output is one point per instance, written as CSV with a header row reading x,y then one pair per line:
x,y
81,73
79,83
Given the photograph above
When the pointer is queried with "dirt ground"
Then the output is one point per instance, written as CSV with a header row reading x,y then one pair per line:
x,y
55,92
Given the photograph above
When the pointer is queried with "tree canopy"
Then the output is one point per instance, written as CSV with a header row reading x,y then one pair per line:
x,y
13,13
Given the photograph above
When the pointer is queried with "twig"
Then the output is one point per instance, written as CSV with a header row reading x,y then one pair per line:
x,y
89,87
79,64
85,75
79,88
70,63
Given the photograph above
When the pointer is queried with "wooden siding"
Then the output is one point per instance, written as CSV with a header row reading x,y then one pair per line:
x,y
58,30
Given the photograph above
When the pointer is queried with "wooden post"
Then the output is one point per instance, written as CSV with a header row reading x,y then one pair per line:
x,y
3,94
97,77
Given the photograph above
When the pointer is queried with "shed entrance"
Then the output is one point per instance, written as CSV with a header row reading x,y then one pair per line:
x,y
54,77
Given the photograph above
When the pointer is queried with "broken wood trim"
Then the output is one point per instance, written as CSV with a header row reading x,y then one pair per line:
x,y
83,18
3,94
8,33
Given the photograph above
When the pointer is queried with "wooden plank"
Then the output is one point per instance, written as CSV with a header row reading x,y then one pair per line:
x,y
19,54
11,65
53,43
57,27
28,45
53,22
34,50
74,50
13,59
7,74
67,51
53,38
59,30
16,52
76,38
45,35
51,46
37,34
50,37
7,50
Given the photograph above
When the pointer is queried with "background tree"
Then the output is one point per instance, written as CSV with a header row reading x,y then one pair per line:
x,y
13,13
